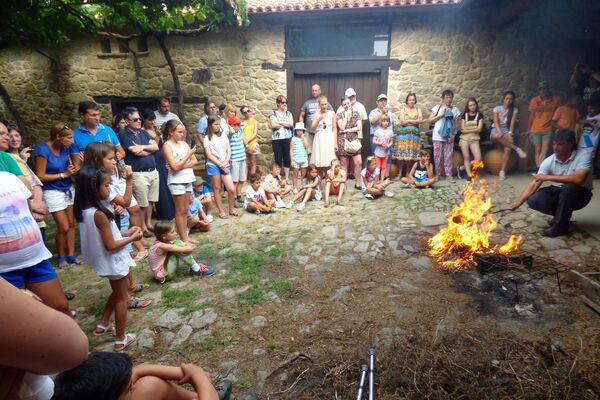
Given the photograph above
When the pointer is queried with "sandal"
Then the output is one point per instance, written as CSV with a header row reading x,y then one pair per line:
x,y
138,288
223,216
103,330
235,213
63,263
141,255
137,302
74,260
120,345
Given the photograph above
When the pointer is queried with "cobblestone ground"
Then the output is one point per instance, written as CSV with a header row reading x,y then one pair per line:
x,y
310,282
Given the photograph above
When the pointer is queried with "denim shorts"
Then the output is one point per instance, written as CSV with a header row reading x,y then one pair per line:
x,y
177,189
38,273
213,170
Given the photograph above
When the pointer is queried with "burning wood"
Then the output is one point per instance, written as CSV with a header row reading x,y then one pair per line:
x,y
469,227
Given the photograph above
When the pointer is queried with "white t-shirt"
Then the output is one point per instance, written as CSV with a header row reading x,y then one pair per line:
x,y
271,180
117,188
218,147
258,195
503,115
438,124
384,135
21,243
368,177
362,113
590,135
161,119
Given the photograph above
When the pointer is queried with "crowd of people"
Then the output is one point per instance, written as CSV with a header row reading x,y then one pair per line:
x,y
137,179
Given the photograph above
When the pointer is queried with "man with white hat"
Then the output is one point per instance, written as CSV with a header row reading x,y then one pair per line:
x,y
375,116
359,107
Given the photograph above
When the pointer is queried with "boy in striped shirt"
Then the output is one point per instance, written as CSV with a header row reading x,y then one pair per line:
x,y
238,157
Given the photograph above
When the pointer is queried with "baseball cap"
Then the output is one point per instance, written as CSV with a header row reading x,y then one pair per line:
x,y
199,181
381,97
350,92
234,121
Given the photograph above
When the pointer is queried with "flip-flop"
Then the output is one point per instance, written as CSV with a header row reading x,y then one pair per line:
x,y
74,260
103,329
223,216
138,288
63,263
137,302
120,345
234,213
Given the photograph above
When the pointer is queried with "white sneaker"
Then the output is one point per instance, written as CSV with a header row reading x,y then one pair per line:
x,y
520,152
295,191
387,193
301,206
209,218
369,196
290,204
502,176
279,203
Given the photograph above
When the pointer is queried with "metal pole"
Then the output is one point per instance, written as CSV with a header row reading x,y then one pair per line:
x,y
363,378
371,374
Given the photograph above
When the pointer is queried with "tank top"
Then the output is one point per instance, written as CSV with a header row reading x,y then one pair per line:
x,y
421,174
157,261
185,175
300,154
104,262
326,124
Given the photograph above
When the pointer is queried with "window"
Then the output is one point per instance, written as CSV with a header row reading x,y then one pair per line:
x,y
121,47
339,41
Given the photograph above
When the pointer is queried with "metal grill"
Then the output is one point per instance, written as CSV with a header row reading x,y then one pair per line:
x,y
519,269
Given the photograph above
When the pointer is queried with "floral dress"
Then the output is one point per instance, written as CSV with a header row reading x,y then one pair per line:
x,y
351,122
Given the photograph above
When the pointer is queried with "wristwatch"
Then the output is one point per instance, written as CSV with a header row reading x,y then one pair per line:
x,y
62,175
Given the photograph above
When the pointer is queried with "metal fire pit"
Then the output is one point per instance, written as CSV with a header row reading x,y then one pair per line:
x,y
520,268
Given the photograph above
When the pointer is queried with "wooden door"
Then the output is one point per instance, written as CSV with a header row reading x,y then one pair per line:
x,y
366,85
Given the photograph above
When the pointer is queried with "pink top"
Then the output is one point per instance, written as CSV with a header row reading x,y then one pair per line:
x,y
156,261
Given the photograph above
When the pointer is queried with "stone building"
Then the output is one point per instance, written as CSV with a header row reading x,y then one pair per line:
x,y
477,48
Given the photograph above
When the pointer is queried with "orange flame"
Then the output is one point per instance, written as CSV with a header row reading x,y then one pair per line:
x,y
469,227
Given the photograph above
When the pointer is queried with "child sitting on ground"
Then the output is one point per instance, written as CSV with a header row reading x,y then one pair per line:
x,y
238,156
298,154
202,193
310,189
256,199
371,184
421,174
335,182
275,187
383,139
167,251
196,218
113,376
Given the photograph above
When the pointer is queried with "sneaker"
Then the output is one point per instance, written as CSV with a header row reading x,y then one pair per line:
x,y
369,196
295,191
205,270
257,212
279,204
301,207
209,218
387,193
290,204
520,152
460,171
502,176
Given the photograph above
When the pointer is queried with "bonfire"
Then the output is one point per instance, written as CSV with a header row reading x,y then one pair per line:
x,y
470,225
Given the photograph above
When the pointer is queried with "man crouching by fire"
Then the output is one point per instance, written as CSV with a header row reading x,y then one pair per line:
x,y
569,172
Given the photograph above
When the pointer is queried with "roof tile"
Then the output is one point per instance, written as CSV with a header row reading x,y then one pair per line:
x,y
272,6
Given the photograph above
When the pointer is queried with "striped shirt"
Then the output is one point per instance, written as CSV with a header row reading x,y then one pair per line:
x,y
238,152
300,154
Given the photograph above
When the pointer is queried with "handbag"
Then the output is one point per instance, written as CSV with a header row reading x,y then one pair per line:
x,y
352,146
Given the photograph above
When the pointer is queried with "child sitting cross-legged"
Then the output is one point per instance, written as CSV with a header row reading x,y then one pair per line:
x,y
166,253
275,187
421,174
202,193
112,376
310,189
335,183
256,199
371,184
196,218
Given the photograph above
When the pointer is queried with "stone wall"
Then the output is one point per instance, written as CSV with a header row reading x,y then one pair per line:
x,y
243,65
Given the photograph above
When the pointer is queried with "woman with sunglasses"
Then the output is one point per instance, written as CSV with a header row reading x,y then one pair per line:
x,y
281,122
54,168
250,135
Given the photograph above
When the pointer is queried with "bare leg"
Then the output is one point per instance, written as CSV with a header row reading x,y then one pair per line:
x,y
341,192
505,158
216,183
62,230
357,160
327,189
228,183
307,195
120,298
464,148
71,233
543,151
181,215
51,292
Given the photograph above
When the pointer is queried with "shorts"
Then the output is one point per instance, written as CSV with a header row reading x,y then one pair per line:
x,y
145,187
213,170
300,165
38,273
539,138
238,171
178,189
468,138
494,133
58,200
